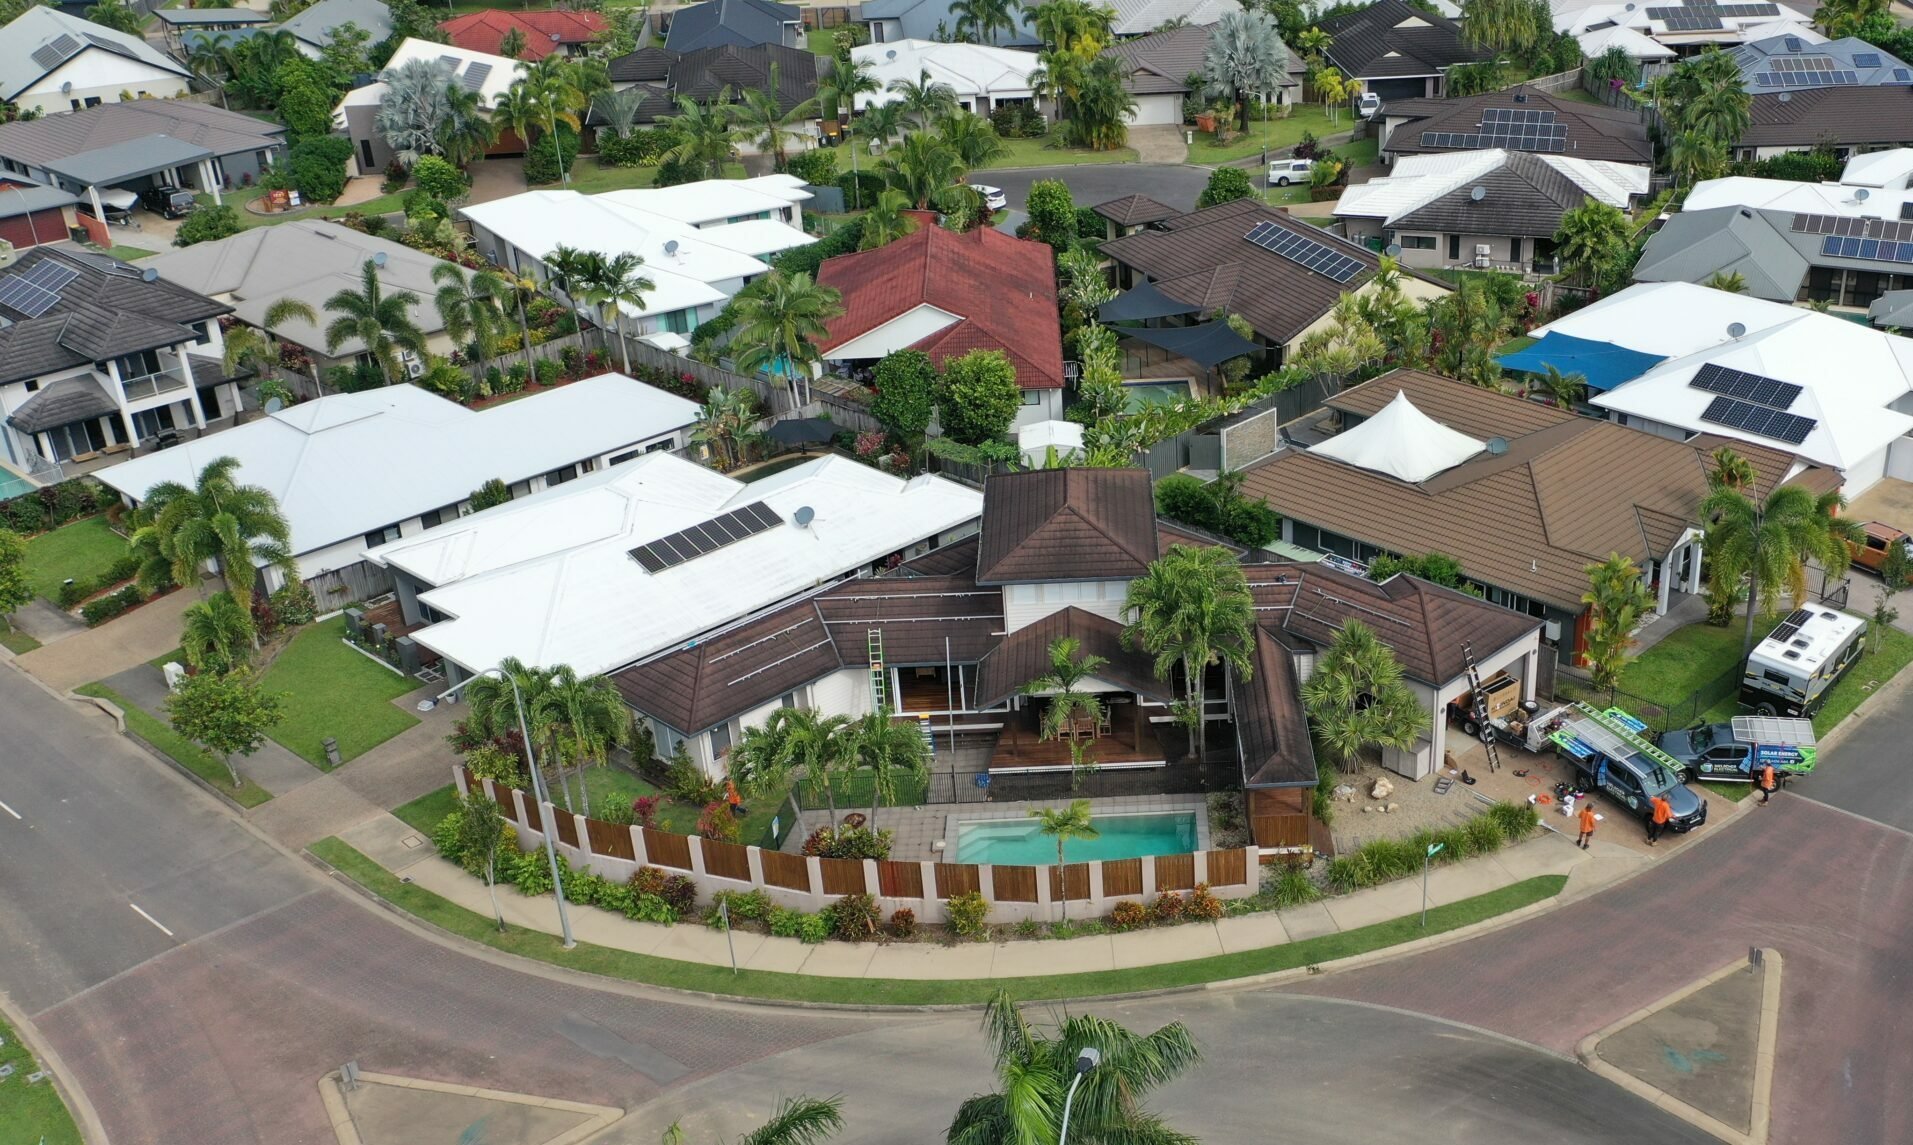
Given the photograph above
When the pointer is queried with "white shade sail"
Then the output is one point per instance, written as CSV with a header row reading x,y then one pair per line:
x,y
1402,442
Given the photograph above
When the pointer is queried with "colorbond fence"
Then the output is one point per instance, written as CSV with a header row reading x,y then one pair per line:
x,y
1016,893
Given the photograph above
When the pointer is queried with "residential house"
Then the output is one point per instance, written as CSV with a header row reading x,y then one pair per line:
x,y
1425,464
706,75
51,62
1760,374
1142,17
1851,120
1246,258
312,28
1599,40
744,23
1872,185
558,30
31,214
119,149
309,261
1494,209
1161,64
1396,50
982,78
1796,63
695,268
97,356
1519,119
1686,27
359,470
933,20
176,23
710,204
1131,213
947,294
663,554
491,76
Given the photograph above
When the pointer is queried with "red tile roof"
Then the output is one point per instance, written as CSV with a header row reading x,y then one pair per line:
x,y
485,31
1003,288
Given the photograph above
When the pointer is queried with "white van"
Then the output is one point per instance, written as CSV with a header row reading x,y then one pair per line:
x,y
1282,172
1790,672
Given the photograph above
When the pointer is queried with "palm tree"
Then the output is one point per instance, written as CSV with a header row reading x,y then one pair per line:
x,y
889,751
467,303
795,746
1033,1072
766,123
972,137
519,110
1730,470
1617,600
379,321
879,124
1356,700
704,133
722,422
1592,241
1694,156
1245,57
512,44
978,21
923,99
921,167
1770,541
886,221
587,718
495,711
1732,281
259,349
559,90
848,78
780,319
1191,609
1063,824
798,1121
1710,98
1565,390
571,271
468,131
615,284
1099,117
218,519
1069,666
1058,78
218,634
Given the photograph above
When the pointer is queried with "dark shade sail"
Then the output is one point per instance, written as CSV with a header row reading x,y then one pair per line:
x,y
803,431
1209,344
1142,301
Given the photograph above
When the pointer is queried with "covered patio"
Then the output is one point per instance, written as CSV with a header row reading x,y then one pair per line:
x,y
185,165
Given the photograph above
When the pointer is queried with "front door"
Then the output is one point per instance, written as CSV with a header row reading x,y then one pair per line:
x,y
69,441
148,423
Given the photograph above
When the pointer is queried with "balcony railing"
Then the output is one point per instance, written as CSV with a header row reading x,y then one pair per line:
x,y
148,385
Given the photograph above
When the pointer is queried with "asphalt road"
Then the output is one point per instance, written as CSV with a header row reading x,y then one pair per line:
x,y
1093,183
218,1032
1865,773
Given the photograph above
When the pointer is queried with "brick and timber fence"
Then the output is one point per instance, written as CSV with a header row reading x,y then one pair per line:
x,y
809,883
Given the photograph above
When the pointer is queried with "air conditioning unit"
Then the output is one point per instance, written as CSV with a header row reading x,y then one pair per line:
x,y
7,253
1484,254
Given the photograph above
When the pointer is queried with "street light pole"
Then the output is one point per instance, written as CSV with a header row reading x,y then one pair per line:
x,y
544,800
1086,1060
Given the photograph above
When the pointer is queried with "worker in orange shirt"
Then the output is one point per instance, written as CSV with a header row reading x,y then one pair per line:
x,y
1766,783
735,800
1662,812
1588,819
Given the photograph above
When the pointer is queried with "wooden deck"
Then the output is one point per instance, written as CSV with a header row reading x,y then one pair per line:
x,y
1129,741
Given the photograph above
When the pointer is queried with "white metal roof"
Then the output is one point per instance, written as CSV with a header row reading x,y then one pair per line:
x,y
1849,373
1805,645
1418,180
970,70
1883,169
493,83
1401,441
550,579
1637,45
714,200
344,465
1802,198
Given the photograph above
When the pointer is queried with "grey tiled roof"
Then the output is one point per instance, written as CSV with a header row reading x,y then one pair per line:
x,y
51,138
740,22
316,24
1390,38
62,403
1524,196
107,310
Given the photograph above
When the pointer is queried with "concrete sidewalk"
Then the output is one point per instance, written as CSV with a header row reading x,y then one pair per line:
x,y
271,767
124,642
403,851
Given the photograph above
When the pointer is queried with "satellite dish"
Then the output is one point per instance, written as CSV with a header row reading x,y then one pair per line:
x,y
1394,250
891,54
1736,329
379,258
1478,194
1786,97
274,405
1497,446
1860,196
804,516
66,88
150,274
670,246
554,37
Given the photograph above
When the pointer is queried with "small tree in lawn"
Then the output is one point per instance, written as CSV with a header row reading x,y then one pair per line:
x,y
1617,598
217,634
1063,824
1356,700
1895,570
906,396
15,591
977,397
1226,185
227,715
480,833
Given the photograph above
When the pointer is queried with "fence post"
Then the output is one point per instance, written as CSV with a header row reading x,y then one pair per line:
x,y
872,886
638,850
986,882
930,903
696,844
1148,878
524,811
814,875
1252,869
458,779
754,860
584,836
1095,886
1201,865
1045,902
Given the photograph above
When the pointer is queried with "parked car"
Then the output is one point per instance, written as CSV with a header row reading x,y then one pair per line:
x,y
1610,756
1880,539
117,204
993,197
1369,105
1734,752
168,201
1282,172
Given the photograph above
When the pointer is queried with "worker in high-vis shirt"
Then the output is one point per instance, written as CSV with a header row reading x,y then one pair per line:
x,y
1766,783
1588,820
1657,821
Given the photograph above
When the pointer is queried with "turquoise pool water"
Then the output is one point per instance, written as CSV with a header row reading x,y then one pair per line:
x,y
1143,394
12,484
1021,841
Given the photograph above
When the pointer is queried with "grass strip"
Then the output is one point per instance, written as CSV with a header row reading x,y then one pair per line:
x,y
30,1112
17,642
446,915
179,749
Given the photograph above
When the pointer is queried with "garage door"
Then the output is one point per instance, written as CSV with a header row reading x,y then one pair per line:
x,y
28,230
1397,89
1156,109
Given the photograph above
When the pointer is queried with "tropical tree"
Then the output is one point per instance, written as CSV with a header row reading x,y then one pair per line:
x,y
468,129
380,321
218,634
496,712
468,304
1504,25
1469,324
481,832
766,123
838,90
1069,666
1348,346
512,44
1842,18
886,221
414,110
587,718
795,746
1245,58
1334,89
723,421
519,110
924,100
1709,97
16,590
226,714
1073,25
259,349
972,137
1034,1070
615,284
704,132
1617,600
217,519
1059,77
571,271
1191,609
889,751
1592,241
1730,282
1356,699
1565,390
560,89
1730,470
1099,114
921,167
1063,824
780,319
798,1121
980,20
1769,541
1694,156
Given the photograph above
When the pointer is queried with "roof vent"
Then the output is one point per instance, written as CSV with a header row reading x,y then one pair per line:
x,y
1745,213
1736,329
554,37
1478,194
1497,446
803,516
1521,97
891,54
150,274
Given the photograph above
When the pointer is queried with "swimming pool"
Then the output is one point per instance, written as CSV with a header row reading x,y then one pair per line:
x,y
12,484
1144,394
1122,837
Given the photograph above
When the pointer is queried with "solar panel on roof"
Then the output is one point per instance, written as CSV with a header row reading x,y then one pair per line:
x,y
1304,251
1903,75
1867,60
474,76
51,275
1755,388
28,298
55,50
1793,43
1758,420
706,537
1790,627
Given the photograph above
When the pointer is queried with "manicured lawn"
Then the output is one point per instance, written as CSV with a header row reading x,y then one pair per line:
x,y
81,550
30,1113
1888,651
180,749
673,974
1359,152
126,253
1050,152
821,41
333,690
589,178
1267,135
424,813
1512,345
236,199
1577,95
16,641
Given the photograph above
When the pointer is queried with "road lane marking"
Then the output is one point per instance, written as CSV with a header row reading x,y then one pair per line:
x,y
151,919
9,810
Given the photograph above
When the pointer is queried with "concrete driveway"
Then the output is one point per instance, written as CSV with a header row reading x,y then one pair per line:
x,y
497,179
1889,501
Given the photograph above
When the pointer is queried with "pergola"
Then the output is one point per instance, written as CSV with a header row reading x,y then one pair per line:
x,y
111,166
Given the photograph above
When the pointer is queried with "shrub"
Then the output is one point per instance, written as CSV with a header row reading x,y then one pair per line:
x,y
100,611
541,160
1293,887
317,166
807,928
1204,904
445,836
1169,906
586,888
644,810
848,843
1347,873
640,147
854,918
687,783
717,823
436,177
854,184
903,922
547,370
1484,834
969,914
295,604
817,167
1028,928
744,906
651,908
1008,121
1516,820
1031,124
1089,224
1128,915
615,813
1226,185
207,224
72,592
531,872
977,396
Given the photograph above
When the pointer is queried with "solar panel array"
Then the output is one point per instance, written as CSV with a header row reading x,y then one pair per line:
x,y
1513,128
474,76
1761,420
1790,627
1848,227
1807,71
1306,252
1708,17
99,41
1902,75
16,293
714,534
1867,60
51,53
1872,250
1747,387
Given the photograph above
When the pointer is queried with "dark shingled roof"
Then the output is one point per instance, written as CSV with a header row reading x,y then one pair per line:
x,y
1390,38
1524,196
1593,131
62,403
1066,524
701,686
1135,210
1023,656
1272,732
1848,116
106,311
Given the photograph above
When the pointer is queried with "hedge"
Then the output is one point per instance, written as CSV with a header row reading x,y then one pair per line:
x,y
53,506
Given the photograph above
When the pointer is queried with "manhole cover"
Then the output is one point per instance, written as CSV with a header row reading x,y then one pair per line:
x,y
412,842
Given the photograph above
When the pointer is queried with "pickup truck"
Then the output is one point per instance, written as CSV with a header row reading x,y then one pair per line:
x,y
1735,751
1610,755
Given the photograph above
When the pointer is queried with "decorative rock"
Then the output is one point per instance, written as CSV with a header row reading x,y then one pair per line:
x,y
1392,808
1382,788
1366,810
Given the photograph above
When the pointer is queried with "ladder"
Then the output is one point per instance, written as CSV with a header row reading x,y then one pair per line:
x,y
929,735
879,676
1480,701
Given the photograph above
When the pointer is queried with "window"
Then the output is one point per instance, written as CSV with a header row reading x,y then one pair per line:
x,y
1032,397
1773,677
1418,242
720,740
201,335
1514,249
92,101
659,446
383,536
560,476
1454,247
627,455
787,700
35,385
140,365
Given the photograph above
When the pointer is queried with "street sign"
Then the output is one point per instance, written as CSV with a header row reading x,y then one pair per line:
x,y
1433,848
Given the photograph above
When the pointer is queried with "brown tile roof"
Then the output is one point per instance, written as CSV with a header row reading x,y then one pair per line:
x,y
701,686
1134,210
1023,656
1202,258
1568,491
1593,131
1272,732
1066,524
957,558
1845,115
916,616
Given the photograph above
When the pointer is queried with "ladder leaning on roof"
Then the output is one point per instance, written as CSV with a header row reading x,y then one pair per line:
x,y
878,673
1480,700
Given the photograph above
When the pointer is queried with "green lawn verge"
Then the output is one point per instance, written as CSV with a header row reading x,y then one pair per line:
x,y
449,916
1050,152
30,1113
17,642
333,690
1360,152
1732,792
423,814
1269,135
181,750
81,550
1888,651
